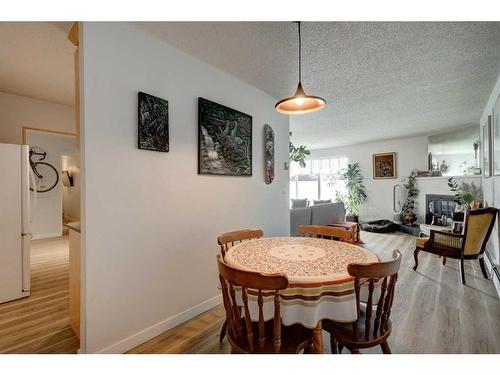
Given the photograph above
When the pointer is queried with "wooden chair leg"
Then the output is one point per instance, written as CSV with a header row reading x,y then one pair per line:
x,y
223,331
333,344
385,348
444,260
462,271
415,256
354,351
340,347
483,268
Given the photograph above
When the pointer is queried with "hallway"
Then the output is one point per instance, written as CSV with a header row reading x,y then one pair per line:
x,y
40,322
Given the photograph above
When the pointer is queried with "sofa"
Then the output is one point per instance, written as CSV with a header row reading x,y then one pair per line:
x,y
320,214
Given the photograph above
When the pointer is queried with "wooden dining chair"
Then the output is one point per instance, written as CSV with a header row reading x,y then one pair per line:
x,y
325,232
228,240
373,325
248,334
469,245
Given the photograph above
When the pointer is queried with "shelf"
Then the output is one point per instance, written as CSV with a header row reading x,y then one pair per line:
x,y
447,177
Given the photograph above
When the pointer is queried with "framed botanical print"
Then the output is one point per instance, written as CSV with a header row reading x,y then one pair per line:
x,y
486,129
384,165
495,125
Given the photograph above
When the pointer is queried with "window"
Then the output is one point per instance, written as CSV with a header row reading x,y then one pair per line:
x,y
320,179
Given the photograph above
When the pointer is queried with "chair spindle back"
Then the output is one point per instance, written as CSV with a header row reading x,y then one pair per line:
x,y
321,231
229,239
385,273
254,284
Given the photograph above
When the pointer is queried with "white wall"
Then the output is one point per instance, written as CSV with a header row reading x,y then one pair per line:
x,y
18,111
491,185
149,220
47,215
411,153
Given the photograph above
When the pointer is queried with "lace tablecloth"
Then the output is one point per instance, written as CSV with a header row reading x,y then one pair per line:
x,y
319,285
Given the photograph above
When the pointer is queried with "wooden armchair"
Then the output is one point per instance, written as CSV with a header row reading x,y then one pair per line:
x,y
373,325
247,335
326,232
469,245
228,240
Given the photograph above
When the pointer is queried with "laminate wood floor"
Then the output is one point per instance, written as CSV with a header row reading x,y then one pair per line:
x,y
432,313
40,322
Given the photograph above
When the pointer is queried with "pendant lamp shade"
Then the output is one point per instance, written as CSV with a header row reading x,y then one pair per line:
x,y
300,103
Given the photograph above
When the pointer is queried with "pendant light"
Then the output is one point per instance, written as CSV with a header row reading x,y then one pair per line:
x,y
300,103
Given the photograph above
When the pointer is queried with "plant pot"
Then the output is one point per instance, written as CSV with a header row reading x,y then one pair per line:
x,y
352,218
410,218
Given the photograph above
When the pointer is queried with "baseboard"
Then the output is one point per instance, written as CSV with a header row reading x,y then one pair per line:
x,y
156,329
46,235
494,272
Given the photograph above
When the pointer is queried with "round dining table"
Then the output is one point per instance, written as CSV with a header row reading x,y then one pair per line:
x,y
319,286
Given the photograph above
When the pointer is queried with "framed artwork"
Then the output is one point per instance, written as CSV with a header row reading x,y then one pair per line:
x,y
384,165
224,140
152,123
495,125
486,128
268,153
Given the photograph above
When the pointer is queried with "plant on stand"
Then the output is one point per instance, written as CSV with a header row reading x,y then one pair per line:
x,y
298,154
356,192
410,183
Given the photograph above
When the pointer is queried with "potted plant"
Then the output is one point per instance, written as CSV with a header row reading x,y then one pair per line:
x,y
408,211
356,192
298,154
468,196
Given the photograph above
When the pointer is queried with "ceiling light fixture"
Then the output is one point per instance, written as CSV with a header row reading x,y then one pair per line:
x,y
300,103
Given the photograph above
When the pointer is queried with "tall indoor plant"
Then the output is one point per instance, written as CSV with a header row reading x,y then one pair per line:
x,y
410,183
298,154
356,191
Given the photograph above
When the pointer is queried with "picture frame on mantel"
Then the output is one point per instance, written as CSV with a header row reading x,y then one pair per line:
x,y
384,166
486,146
495,125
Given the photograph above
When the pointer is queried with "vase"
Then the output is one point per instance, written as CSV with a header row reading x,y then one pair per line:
x,y
410,218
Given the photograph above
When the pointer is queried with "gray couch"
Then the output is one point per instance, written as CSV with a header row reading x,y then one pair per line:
x,y
321,214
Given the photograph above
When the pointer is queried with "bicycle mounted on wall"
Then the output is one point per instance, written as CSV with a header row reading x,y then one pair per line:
x,y
46,175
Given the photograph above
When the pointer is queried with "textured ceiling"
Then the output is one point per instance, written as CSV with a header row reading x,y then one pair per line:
x,y
381,80
36,60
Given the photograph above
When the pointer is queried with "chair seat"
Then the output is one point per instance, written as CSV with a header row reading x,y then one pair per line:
x,y
344,332
421,241
294,338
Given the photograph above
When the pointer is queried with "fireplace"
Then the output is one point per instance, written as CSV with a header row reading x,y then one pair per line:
x,y
436,204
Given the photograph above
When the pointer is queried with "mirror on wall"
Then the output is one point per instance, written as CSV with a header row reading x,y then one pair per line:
x,y
455,152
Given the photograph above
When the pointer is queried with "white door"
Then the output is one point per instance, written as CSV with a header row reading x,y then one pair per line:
x,y
10,223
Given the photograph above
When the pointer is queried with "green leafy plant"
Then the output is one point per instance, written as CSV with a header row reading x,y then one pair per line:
x,y
298,154
410,183
356,190
464,199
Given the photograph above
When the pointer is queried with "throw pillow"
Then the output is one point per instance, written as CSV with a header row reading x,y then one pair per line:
x,y
296,203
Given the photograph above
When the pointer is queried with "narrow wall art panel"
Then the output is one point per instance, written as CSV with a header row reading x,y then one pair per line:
x,y
224,140
268,153
153,123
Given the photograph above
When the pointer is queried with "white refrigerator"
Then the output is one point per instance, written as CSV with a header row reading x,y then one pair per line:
x,y
16,203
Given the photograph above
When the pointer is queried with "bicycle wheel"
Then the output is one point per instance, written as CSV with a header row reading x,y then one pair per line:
x,y
49,177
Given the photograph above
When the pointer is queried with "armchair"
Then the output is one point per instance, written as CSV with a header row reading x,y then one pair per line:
x,y
471,244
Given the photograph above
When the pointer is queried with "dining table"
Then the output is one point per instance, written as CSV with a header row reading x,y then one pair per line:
x,y
319,286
